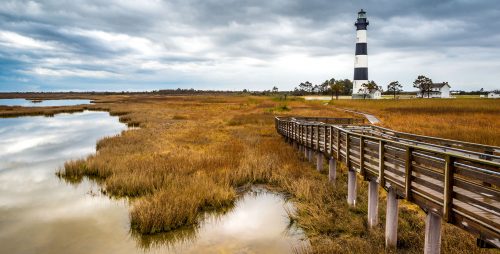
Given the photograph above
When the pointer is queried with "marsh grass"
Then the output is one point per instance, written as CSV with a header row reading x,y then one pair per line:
x,y
472,120
177,169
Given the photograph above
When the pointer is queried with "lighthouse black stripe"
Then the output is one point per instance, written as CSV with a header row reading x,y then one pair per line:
x,y
361,24
361,48
361,73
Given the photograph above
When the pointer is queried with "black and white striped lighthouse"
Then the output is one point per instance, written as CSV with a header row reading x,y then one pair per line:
x,y
361,58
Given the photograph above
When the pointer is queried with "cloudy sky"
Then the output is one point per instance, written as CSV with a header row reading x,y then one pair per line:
x,y
116,45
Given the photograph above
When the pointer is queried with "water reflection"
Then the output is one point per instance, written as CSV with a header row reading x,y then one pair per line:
x,y
41,214
257,224
38,212
40,103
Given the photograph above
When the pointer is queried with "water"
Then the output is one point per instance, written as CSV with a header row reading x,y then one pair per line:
x,y
40,213
44,103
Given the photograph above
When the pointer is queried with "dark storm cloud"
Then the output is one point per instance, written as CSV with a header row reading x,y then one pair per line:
x,y
207,41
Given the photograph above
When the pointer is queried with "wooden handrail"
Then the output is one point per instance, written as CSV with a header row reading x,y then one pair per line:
x,y
457,184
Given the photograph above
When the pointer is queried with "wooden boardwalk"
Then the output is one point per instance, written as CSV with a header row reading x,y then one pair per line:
x,y
458,182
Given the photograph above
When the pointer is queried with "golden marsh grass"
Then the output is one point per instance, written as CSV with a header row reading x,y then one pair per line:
x,y
472,120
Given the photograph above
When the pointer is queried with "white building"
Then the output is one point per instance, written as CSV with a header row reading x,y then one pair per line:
x,y
493,95
438,90
369,94
375,94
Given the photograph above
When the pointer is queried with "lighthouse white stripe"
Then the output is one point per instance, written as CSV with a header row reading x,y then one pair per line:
x,y
357,85
361,61
361,36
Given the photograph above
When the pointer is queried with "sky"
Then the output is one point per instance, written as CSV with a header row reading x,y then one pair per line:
x,y
130,45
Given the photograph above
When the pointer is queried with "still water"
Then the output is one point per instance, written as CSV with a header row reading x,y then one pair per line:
x,y
44,103
40,213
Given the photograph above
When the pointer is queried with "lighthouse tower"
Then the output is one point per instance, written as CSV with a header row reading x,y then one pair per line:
x,y
361,58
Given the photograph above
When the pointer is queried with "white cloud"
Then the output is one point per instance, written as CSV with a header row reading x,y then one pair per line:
x,y
39,71
15,40
118,41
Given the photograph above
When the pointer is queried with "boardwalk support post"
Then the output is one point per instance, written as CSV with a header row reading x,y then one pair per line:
x,y
332,170
351,188
372,203
391,219
319,161
432,234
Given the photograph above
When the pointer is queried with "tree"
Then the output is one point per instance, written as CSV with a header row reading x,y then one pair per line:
x,y
275,89
366,88
395,88
347,87
315,89
336,86
307,86
424,84
323,88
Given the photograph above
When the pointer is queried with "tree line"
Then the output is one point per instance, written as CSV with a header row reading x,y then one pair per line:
x,y
336,87
333,87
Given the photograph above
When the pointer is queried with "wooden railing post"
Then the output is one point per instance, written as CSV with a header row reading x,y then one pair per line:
x,y
351,178
311,149
306,148
362,156
324,139
317,138
381,166
448,188
306,137
311,134
294,131
347,164
338,144
331,140
408,174
301,141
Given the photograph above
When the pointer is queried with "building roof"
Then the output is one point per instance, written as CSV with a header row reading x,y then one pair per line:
x,y
440,85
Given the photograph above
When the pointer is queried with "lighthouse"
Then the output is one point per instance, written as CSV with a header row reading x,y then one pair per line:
x,y
361,57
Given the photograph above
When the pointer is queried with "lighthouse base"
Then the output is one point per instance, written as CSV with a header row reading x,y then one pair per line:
x,y
360,96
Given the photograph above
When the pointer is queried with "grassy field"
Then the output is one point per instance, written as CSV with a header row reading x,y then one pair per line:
x,y
194,154
472,120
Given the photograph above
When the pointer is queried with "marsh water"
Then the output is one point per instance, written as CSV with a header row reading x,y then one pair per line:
x,y
40,213
43,103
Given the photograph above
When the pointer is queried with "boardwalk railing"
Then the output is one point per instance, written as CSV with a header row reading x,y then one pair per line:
x,y
456,181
